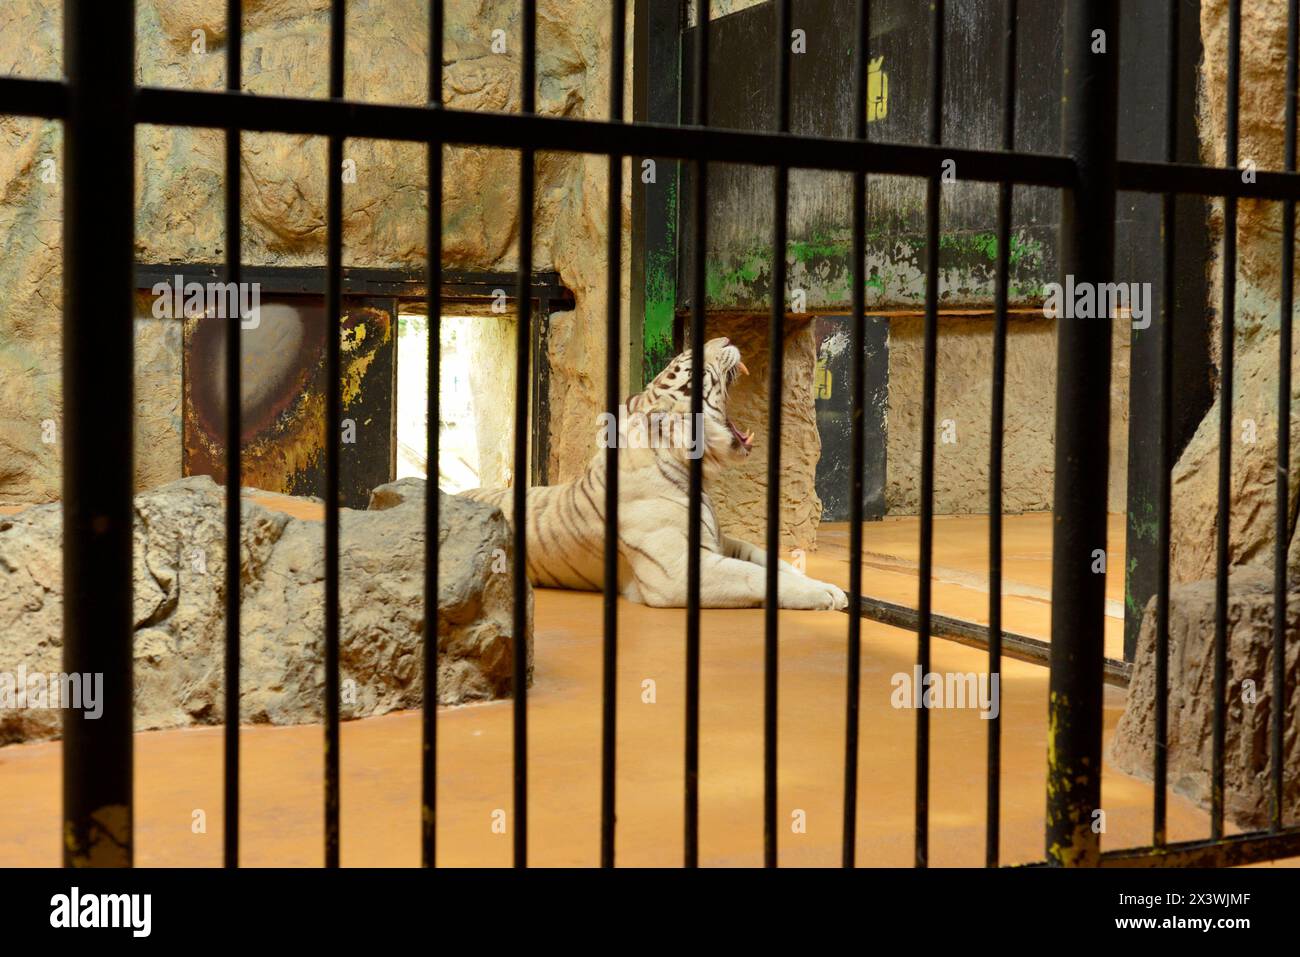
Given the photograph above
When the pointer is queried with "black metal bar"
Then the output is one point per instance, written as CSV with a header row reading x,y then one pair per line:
x,y
199,108
1226,341
461,285
234,255
1191,179
1082,441
193,108
613,395
1234,851
1164,484
694,510
527,172
929,366
997,418
333,419
432,494
1283,528
1014,645
24,97
98,385
217,110
853,667
775,387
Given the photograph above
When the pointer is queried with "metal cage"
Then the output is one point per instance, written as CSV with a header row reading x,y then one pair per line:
x,y
100,105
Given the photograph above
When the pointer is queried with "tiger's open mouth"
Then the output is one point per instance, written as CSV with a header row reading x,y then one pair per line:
x,y
746,439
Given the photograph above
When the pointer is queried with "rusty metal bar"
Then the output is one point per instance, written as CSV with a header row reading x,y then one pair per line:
x,y
1082,441
98,386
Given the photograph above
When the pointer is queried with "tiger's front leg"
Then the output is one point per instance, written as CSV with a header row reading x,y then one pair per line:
x,y
725,582
746,552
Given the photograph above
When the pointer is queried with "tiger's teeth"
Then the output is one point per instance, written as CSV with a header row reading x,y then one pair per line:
x,y
741,366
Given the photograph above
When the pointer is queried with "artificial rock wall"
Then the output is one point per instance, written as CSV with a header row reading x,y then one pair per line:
x,y
963,399
741,497
1256,322
179,191
1248,700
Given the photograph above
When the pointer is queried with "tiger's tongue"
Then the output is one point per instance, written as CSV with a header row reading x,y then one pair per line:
x,y
746,440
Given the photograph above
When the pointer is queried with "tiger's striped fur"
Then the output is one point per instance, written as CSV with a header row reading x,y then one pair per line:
x,y
566,523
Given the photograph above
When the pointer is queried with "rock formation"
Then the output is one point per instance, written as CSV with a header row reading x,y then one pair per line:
x,y
1248,698
1253,483
180,600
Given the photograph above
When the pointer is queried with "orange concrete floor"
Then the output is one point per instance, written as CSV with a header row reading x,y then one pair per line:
x,y
961,570
178,773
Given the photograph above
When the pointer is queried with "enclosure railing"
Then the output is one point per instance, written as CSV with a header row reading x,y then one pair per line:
x,y
100,106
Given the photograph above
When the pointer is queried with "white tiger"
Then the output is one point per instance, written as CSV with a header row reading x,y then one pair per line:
x,y
566,523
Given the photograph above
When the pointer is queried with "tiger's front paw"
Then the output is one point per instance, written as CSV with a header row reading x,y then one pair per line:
x,y
838,600
810,594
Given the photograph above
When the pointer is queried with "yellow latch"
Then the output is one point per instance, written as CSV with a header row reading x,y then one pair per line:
x,y
823,379
877,91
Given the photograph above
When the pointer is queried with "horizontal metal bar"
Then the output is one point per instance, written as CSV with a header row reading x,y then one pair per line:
x,y
226,110
310,280
971,633
194,108
1234,851
43,98
1190,178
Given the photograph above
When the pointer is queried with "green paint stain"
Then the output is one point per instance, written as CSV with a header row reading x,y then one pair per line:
x,y
660,295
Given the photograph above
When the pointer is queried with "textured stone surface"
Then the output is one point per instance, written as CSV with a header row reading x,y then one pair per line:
x,y
179,191
963,397
741,494
31,300
179,607
1254,399
1248,711
158,384
1253,482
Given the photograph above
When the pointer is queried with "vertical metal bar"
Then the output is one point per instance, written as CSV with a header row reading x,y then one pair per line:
x,y
433,417
234,323
613,383
333,418
522,344
997,419
98,213
694,508
857,455
1083,349
1226,343
1282,534
775,387
1164,485
929,364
